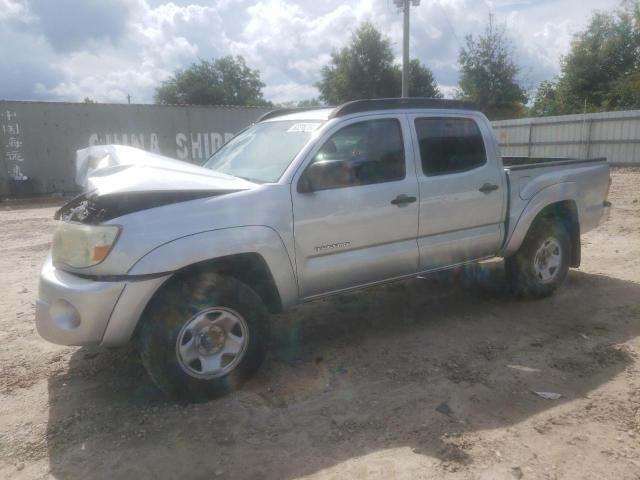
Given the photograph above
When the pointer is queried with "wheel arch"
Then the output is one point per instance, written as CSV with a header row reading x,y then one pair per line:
x,y
250,268
254,255
566,213
557,202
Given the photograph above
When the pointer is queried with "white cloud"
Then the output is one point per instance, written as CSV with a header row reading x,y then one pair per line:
x,y
12,9
287,41
286,92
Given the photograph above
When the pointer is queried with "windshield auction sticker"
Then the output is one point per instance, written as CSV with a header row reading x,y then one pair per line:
x,y
304,127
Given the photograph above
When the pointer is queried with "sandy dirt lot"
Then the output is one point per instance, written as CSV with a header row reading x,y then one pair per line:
x,y
429,378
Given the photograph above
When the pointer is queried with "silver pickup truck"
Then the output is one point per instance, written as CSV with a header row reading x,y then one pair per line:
x,y
189,260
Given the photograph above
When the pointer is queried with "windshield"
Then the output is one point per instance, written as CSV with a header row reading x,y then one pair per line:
x,y
264,151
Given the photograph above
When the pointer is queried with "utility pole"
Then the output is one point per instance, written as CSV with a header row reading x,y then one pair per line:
x,y
406,7
128,99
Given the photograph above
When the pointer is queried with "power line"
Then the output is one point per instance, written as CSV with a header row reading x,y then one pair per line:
x,y
446,18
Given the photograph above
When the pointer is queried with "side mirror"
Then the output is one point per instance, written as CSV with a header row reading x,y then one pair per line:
x,y
326,174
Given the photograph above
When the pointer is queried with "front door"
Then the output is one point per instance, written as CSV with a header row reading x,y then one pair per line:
x,y
359,223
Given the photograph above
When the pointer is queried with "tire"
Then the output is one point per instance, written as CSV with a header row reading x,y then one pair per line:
x,y
188,328
531,272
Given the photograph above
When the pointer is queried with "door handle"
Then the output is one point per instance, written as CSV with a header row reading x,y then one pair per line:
x,y
403,200
488,188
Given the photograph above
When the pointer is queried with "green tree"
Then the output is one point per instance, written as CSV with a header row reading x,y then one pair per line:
x,y
488,74
365,69
547,101
600,56
624,93
602,69
224,81
421,80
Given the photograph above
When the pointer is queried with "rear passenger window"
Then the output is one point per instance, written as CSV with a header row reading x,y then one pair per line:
x,y
449,145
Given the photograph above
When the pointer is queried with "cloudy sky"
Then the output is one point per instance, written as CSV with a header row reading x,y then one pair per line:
x,y
106,49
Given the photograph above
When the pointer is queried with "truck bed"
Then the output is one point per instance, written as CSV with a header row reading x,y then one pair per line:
x,y
531,180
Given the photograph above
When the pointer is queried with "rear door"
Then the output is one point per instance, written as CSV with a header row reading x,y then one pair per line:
x,y
462,190
359,225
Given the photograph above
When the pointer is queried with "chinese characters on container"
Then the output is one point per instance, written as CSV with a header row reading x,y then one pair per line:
x,y
12,138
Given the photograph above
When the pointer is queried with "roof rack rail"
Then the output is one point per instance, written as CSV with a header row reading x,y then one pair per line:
x,y
286,111
358,106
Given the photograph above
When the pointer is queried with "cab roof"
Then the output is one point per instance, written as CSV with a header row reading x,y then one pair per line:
x,y
357,106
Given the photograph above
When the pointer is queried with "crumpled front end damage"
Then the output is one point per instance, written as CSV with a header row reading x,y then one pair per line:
x,y
101,304
94,209
120,180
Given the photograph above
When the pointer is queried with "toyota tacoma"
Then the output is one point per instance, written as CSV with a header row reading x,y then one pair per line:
x,y
188,261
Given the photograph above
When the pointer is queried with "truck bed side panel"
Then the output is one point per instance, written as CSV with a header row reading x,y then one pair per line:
x,y
535,187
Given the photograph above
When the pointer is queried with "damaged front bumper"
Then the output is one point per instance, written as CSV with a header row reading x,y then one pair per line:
x,y
71,310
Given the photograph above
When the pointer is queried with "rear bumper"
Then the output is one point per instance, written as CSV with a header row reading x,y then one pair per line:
x,y
77,311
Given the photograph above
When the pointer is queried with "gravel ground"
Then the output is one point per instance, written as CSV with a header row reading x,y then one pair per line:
x,y
429,378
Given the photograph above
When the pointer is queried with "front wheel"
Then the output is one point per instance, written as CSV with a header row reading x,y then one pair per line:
x,y
203,336
542,263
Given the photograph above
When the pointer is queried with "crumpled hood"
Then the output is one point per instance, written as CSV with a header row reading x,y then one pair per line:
x,y
119,180
114,169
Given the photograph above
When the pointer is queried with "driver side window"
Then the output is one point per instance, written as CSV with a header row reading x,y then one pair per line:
x,y
362,153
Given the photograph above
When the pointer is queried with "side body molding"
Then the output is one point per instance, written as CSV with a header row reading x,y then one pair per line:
x,y
519,226
211,244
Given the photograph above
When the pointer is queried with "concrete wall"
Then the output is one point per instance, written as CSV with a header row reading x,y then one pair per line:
x,y
614,135
39,139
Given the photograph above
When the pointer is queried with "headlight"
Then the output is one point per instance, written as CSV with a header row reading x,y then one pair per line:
x,y
77,245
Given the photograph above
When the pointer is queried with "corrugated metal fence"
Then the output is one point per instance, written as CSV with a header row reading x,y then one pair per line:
x,y
614,135
38,140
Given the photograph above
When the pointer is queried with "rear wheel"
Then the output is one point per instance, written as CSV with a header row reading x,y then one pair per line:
x,y
202,337
542,263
